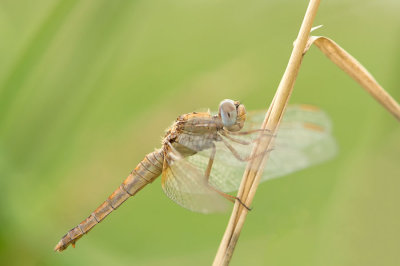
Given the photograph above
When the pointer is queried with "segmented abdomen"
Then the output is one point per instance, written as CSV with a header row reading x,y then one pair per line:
x,y
144,173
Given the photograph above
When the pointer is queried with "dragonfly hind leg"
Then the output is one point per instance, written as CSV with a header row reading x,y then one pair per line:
x,y
207,177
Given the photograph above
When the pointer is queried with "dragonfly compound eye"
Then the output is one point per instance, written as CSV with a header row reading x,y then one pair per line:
x,y
228,112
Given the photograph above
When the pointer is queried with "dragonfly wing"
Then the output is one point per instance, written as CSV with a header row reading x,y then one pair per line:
x,y
304,139
297,147
196,141
186,185
226,172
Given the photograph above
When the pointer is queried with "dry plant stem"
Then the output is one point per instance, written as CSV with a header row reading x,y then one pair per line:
x,y
355,70
255,167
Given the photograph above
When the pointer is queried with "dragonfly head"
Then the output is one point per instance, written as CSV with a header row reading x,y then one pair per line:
x,y
232,114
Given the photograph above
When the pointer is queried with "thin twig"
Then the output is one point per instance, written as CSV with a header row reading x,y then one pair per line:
x,y
274,114
355,70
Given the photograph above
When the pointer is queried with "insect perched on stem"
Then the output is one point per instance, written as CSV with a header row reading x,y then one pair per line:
x,y
203,156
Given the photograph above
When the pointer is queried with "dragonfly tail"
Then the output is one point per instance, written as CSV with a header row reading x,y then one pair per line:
x,y
146,172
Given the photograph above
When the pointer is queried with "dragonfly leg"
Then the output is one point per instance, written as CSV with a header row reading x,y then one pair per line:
x,y
266,132
207,176
210,163
240,141
237,155
230,197
228,134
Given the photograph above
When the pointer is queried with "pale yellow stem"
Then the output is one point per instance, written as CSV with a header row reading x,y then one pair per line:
x,y
255,167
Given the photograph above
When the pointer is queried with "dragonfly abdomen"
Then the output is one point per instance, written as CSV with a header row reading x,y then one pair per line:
x,y
144,173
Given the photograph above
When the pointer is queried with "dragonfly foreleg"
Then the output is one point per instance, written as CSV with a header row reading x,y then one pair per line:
x,y
266,132
228,134
237,155
240,141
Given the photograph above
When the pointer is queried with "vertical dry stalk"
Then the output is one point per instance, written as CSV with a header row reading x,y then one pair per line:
x,y
255,167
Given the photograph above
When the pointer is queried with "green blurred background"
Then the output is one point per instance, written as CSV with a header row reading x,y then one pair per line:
x,y
88,87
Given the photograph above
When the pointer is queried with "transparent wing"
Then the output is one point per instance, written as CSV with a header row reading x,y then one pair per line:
x,y
226,172
186,185
196,141
304,139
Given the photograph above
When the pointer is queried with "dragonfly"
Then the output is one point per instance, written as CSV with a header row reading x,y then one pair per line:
x,y
203,156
